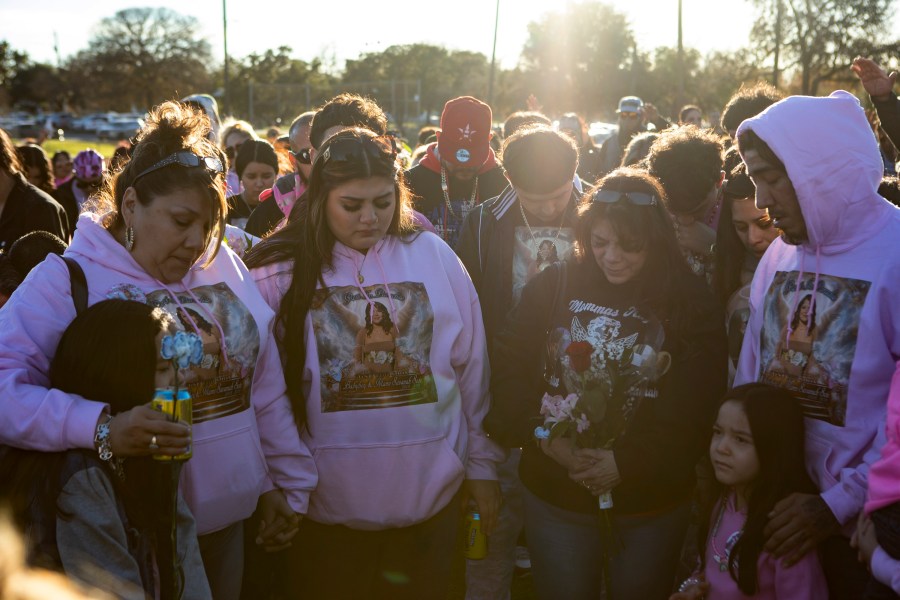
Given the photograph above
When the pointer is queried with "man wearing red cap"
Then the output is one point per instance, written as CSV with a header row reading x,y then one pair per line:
x,y
460,170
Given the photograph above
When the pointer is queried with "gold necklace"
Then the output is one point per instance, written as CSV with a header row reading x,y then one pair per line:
x,y
445,188
359,275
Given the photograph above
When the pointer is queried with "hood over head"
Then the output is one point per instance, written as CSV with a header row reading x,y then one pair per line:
x,y
833,162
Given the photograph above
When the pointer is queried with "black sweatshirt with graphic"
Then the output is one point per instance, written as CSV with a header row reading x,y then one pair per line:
x,y
668,431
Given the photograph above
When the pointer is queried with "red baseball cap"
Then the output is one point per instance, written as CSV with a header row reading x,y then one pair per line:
x,y
465,136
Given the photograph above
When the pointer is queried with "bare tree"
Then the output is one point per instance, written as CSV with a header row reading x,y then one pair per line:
x,y
141,56
820,38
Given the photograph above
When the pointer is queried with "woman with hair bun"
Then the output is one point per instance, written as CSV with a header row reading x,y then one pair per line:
x,y
154,235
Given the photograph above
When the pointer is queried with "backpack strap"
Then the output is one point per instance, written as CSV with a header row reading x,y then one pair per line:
x,y
78,283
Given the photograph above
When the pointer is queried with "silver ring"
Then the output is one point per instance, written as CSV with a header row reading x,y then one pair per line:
x,y
153,445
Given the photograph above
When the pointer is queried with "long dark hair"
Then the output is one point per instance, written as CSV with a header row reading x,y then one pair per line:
x,y
32,155
660,281
308,242
776,424
386,323
95,360
730,251
811,317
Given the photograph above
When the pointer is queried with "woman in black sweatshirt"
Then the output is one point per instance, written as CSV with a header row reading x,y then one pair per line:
x,y
627,291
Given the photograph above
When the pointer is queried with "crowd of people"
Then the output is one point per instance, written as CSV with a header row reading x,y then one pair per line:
x,y
601,351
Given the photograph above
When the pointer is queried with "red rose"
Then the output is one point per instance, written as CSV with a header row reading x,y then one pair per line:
x,y
580,356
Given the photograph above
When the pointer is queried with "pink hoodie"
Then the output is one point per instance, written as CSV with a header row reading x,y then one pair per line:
x,y
849,269
394,409
240,369
884,476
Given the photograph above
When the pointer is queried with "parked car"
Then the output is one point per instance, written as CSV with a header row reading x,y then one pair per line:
x,y
89,123
120,128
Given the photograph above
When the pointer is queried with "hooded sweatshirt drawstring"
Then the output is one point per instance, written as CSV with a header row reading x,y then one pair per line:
x,y
790,329
223,344
384,284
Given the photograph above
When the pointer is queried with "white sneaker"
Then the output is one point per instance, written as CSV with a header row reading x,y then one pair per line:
x,y
523,560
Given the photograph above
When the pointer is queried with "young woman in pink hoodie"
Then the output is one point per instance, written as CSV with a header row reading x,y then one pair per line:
x,y
385,362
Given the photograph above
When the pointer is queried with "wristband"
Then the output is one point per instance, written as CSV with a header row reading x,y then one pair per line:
x,y
688,583
102,441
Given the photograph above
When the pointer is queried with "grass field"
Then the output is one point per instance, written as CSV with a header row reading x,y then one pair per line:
x,y
73,146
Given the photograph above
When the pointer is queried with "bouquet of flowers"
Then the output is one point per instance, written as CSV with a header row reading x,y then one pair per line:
x,y
609,380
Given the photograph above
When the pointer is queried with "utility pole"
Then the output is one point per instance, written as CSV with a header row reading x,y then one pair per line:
x,y
225,108
777,41
56,50
680,60
493,57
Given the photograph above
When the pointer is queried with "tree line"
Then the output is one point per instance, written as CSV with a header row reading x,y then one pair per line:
x,y
581,59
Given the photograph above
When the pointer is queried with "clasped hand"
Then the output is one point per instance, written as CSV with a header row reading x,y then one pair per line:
x,y
595,469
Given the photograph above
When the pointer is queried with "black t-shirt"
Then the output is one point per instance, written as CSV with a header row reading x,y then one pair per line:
x,y
667,421
238,211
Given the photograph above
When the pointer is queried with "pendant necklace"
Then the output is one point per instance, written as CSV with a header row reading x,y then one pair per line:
x,y
467,205
359,275
531,231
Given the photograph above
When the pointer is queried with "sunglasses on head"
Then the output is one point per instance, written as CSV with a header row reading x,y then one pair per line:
x,y
187,159
304,157
353,149
231,151
635,198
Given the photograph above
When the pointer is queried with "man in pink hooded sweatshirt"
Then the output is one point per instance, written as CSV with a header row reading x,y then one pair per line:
x,y
824,322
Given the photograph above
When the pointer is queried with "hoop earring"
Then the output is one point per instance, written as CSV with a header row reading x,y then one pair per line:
x,y
129,238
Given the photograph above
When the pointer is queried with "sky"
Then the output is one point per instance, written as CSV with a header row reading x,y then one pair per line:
x,y
256,25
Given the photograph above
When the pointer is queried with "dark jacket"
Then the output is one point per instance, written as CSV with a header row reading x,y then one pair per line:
x,y
490,246
668,432
66,198
29,209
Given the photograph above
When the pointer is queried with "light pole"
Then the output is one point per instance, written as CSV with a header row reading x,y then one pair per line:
x,y
680,60
225,110
490,98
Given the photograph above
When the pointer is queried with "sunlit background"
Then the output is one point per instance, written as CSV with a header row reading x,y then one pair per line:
x,y
340,30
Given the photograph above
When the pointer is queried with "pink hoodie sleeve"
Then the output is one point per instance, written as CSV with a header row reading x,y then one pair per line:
x,y
886,569
33,416
469,357
291,466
